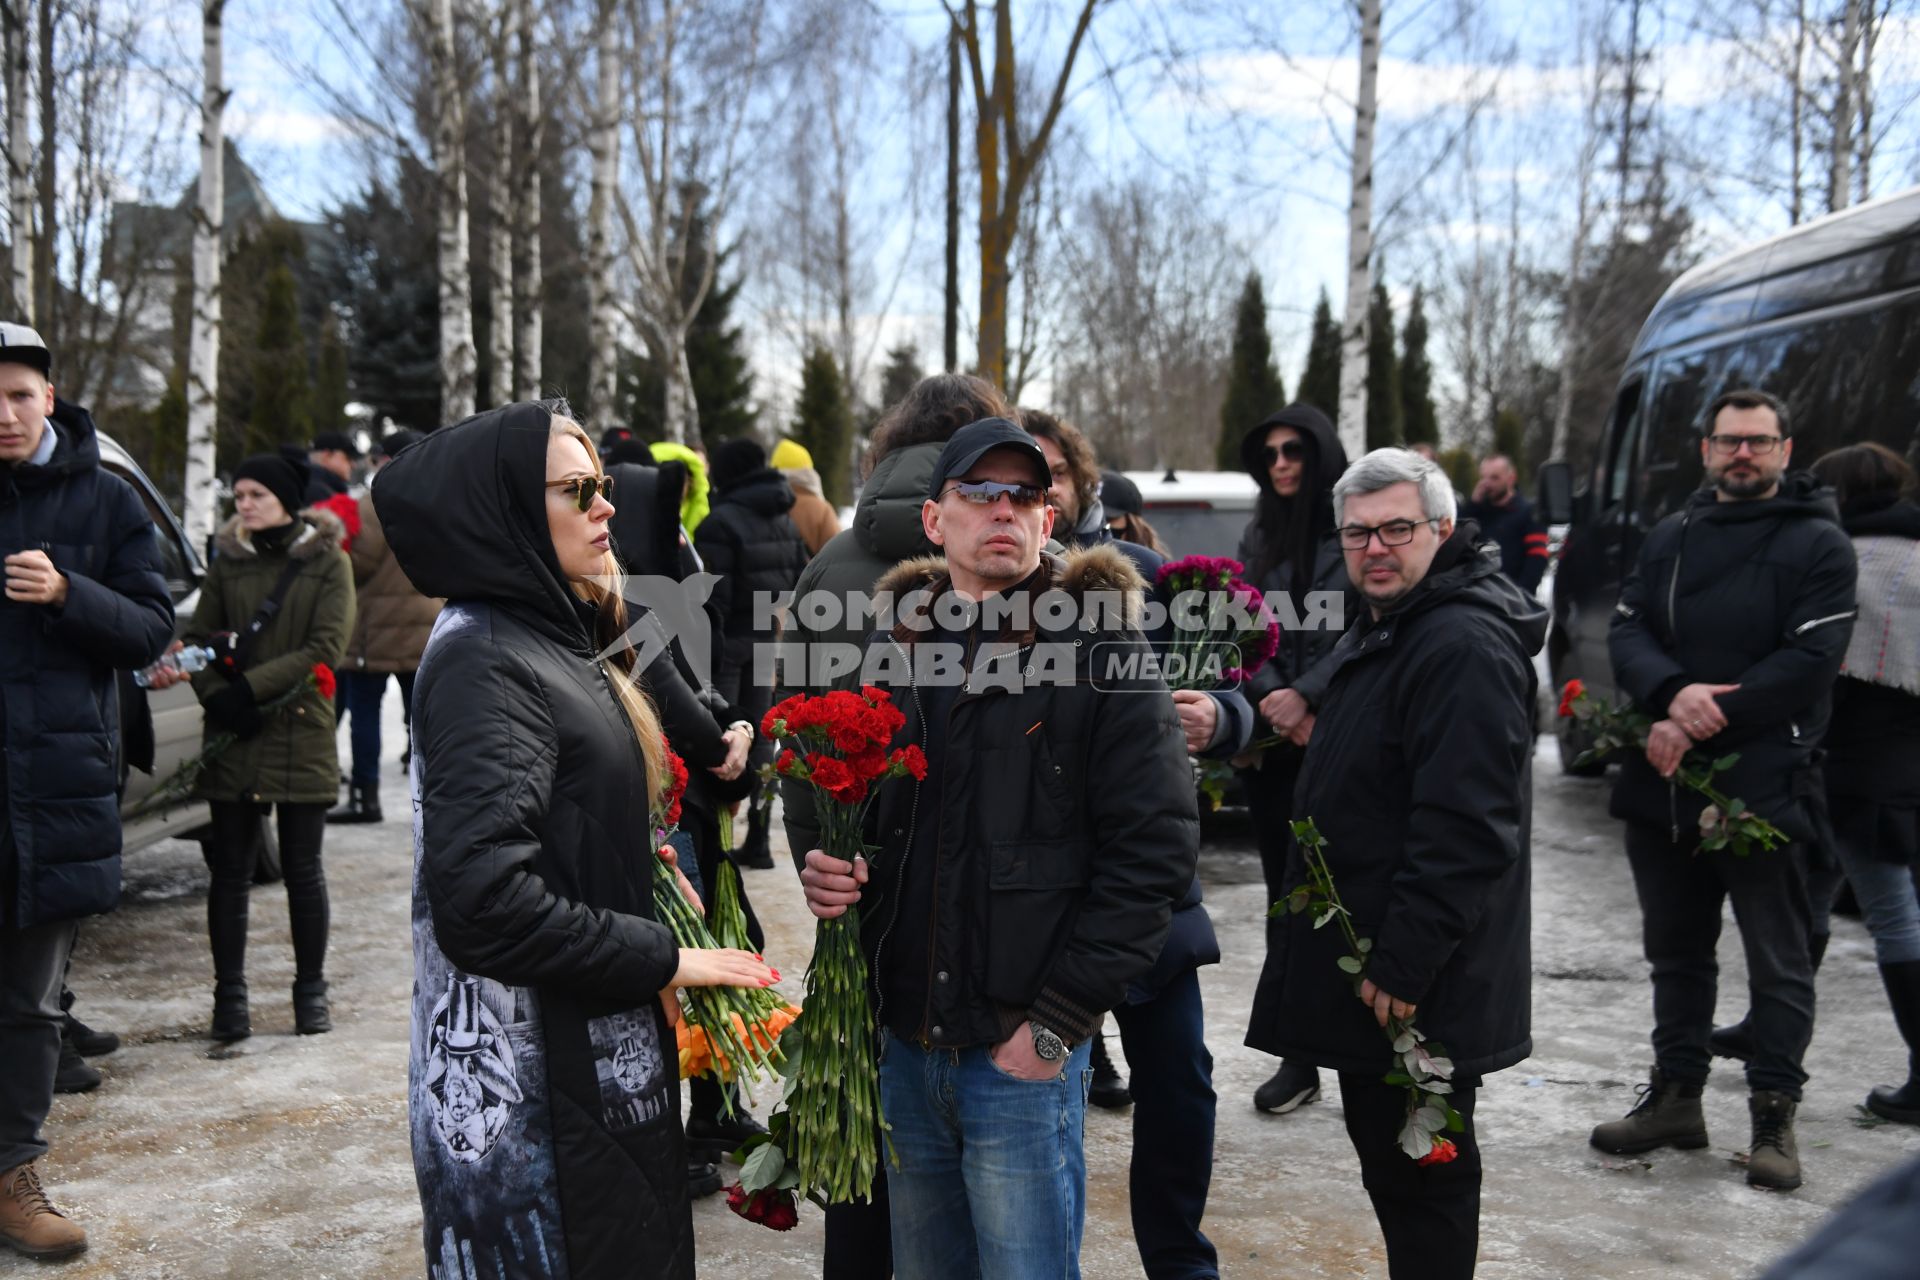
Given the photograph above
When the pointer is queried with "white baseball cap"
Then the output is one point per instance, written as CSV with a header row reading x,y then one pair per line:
x,y
21,345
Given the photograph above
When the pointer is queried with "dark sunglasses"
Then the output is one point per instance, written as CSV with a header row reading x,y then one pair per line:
x,y
984,493
584,489
1291,450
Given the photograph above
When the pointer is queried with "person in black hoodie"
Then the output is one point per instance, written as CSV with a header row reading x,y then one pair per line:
x,y
84,595
1729,631
748,541
1295,456
541,1085
1418,774
1873,744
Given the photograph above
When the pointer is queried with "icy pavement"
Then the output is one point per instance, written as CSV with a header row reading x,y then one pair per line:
x,y
287,1156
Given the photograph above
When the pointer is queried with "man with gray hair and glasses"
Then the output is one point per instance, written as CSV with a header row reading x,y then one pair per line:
x,y
1417,775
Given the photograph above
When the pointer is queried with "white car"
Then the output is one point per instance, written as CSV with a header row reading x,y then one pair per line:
x,y
1197,513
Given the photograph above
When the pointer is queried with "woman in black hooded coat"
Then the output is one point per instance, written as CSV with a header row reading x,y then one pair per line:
x,y
1289,548
542,1092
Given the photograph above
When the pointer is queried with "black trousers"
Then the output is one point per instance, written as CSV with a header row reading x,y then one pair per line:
x,y
1173,1112
232,848
1682,890
1430,1215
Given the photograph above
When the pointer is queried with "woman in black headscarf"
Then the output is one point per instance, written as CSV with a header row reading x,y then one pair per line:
x,y
543,1091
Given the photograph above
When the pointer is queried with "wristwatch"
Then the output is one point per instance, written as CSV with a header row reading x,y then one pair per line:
x,y
1047,1043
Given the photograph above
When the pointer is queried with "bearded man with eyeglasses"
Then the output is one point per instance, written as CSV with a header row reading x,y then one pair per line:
x,y
1729,632
1417,774
1012,894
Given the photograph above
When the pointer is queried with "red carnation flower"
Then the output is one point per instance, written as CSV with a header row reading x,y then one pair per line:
x,y
912,760
1574,691
1444,1152
323,679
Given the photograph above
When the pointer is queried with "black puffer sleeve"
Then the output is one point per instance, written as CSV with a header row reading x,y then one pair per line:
x,y
489,747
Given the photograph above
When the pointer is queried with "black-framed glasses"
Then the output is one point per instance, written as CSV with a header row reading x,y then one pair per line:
x,y
1394,533
1291,450
984,493
1758,446
584,489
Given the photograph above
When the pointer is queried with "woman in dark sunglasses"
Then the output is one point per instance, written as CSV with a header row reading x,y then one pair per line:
x,y
1289,547
541,1082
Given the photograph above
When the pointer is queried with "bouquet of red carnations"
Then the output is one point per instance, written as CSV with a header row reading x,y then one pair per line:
x,y
824,1143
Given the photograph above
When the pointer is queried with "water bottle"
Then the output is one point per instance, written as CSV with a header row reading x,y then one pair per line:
x,y
193,658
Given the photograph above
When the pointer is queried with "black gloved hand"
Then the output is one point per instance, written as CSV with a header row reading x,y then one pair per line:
x,y
231,709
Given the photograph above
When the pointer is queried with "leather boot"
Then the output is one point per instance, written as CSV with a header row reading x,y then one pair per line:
x,y
1668,1114
73,1075
755,853
1773,1158
1903,992
230,1018
1293,1086
363,805
28,1221
1109,1088
311,1014
89,1043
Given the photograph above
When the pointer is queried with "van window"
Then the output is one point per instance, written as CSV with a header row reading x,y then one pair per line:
x,y
174,563
1683,387
1847,378
1625,442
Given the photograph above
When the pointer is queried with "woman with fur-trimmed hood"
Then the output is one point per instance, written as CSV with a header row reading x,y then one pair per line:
x,y
281,584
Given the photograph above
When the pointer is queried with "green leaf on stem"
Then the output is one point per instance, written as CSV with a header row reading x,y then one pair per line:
x,y
1348,963
762,1168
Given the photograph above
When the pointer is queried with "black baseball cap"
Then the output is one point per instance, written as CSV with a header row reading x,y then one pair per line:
x,y
1120,496
977,439
337,440
21,345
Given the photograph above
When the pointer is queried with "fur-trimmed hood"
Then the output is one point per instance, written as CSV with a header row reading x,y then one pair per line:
x,y
1077,572
323,531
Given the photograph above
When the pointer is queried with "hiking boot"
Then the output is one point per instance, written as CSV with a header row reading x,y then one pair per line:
x,y
311,1014
1294,1085
1735,1041
73,1075
1774,1157
363,805
230,1018
1109,1088
1668,1114
28,1221
88,1042
703,1179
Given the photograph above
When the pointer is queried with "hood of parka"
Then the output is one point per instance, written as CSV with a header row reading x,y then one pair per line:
x,y
465,512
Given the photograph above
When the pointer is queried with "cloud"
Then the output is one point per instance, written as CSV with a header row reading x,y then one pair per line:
x,y
280,127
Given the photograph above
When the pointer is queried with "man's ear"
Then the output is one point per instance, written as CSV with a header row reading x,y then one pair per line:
x,y
930,522
48,408
1049,514
1445,529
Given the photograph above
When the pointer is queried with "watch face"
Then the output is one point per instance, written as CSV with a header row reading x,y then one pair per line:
x,y
1048,1045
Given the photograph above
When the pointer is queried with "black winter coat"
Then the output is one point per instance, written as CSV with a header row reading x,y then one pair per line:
x,y
1758,594
543,1091
1419,776
1055,885
748,541
58,703
1522,538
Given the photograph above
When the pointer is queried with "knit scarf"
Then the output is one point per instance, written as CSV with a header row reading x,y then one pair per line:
x,y
1885,648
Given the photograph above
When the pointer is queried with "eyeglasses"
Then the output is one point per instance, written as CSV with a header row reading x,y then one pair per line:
x,y
584,489
1759,446
1291,450
1394,533
984,493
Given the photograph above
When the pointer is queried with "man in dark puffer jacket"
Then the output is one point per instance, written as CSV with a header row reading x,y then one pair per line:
x,y
749,542
1730,631
84,596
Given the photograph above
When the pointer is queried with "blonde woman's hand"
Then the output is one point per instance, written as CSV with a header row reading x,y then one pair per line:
x,y
722,967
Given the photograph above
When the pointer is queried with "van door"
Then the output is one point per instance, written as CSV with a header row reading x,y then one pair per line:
x,y
1595,558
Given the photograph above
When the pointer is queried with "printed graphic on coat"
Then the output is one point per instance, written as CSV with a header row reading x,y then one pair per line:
x,y
470,1082
632,1070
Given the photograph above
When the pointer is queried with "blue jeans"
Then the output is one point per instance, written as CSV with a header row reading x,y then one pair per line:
x,y
360,696
1883,887
992,1183
1173,1106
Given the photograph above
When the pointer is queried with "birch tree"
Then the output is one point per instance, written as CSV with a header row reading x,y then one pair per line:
x,y
457,356
696,64
500,211
528,283
1354,332
203,337
19,74
603,141
1005,159
1846,68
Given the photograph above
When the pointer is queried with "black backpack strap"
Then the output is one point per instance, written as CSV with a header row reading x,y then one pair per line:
x,y
249,635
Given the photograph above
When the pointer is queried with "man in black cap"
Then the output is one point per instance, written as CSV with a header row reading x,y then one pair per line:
x,y
1017,890
332,457
85,596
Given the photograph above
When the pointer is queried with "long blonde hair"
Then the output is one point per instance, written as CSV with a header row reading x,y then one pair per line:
x,y
606,593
